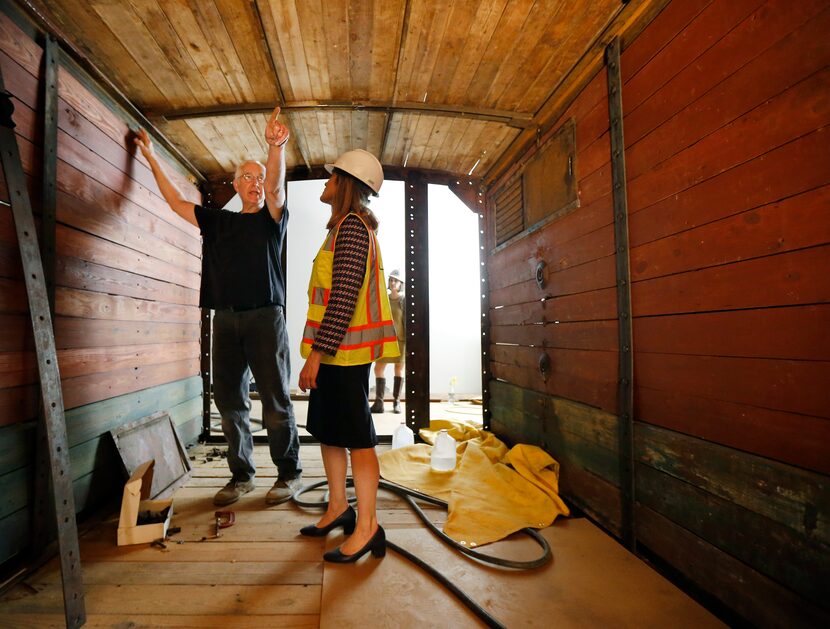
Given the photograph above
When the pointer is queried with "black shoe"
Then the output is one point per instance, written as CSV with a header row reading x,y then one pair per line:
x,y
346,519
377,544
380,391
396,406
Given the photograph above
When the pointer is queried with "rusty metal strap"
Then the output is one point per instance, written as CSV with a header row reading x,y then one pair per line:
x,y
625,388
50,382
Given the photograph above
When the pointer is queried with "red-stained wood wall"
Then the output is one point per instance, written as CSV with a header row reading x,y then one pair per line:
x,y
127,272
726,106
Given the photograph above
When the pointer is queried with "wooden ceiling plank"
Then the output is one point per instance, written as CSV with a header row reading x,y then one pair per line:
x,y
498,49
419,18
503,137
388,19
199,48
361,38
75,19
311,135
289,40
272,45
420,139
451,140
419,83
336,23
436,142
213,141
468,151
536,41
210,21
484,25
189,143
242,21
166,38
393,131
456,36
128,28
329,146
315,44
558,65
376,125
298,141
360,130
343,130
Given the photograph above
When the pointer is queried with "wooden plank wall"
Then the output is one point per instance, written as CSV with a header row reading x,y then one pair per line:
x,y
726,112
126,309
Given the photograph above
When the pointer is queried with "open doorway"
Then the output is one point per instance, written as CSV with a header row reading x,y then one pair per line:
x,y
454,295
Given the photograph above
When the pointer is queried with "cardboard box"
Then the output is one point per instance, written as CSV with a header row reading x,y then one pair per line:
x,y
134,502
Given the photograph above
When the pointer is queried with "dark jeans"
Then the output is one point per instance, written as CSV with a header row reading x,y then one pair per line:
x,y
255,341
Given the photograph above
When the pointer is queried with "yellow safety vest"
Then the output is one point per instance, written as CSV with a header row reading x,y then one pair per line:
x,y
371,332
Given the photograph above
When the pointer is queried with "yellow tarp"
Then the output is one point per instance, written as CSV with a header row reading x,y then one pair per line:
x,y
491,493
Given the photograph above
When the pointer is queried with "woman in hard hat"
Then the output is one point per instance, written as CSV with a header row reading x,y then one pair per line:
x,y
348,327
396,301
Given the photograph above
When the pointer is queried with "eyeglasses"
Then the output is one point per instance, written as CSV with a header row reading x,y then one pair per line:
x,y
249,177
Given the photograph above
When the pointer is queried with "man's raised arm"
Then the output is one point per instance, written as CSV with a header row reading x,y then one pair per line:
x,y
168,189
276,135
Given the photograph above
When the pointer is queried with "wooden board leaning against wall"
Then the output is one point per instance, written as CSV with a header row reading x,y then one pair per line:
x,y
725,120
127,276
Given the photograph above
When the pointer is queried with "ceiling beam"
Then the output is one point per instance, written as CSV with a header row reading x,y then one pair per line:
x,y
510,118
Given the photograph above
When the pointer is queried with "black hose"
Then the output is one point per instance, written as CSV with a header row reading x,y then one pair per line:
x,y
410,496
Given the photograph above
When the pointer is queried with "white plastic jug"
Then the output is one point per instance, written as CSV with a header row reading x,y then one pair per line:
x,y
443,452
403,436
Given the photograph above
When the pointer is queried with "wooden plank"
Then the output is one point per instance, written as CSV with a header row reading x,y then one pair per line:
x,y
769,52
289,621
771,229
799,110
794,333
253,600
590,276
78,244
782,173
600,335
592,306
797,439
755,597
783,385
70,302
91,388
706,30
770,548
583,376
785,494
81,274
72,332
793,278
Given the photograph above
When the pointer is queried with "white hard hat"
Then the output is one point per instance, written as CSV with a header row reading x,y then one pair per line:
x,y
362,165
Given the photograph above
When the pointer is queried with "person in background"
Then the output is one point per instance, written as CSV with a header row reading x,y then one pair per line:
x,y
244,282
349,326
396,301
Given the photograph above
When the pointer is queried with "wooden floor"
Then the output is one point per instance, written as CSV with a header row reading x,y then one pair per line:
x,y
261,573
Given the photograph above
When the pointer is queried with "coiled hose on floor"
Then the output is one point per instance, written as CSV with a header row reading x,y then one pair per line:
x,y
410,496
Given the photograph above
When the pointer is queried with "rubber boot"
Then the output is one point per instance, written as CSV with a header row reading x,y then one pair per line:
x,y
396,394
380,391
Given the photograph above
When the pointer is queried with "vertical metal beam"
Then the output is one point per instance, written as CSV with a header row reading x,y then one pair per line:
x,y
484,285
625,389
50,381
42,515
207,393
417,302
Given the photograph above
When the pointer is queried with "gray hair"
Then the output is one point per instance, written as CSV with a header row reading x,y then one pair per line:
x,y
239,168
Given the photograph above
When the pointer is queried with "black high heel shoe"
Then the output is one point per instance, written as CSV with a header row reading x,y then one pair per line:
x,y
347,520
377,544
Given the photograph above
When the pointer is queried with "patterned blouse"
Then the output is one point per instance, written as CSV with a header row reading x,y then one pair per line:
x,y
350,251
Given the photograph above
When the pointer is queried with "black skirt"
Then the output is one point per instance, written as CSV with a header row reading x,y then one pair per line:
x,y
338,409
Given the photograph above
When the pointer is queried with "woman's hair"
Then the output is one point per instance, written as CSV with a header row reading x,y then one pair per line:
x,y
351,195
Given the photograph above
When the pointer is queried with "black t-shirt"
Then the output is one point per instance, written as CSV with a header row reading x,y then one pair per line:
x,y
241,258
